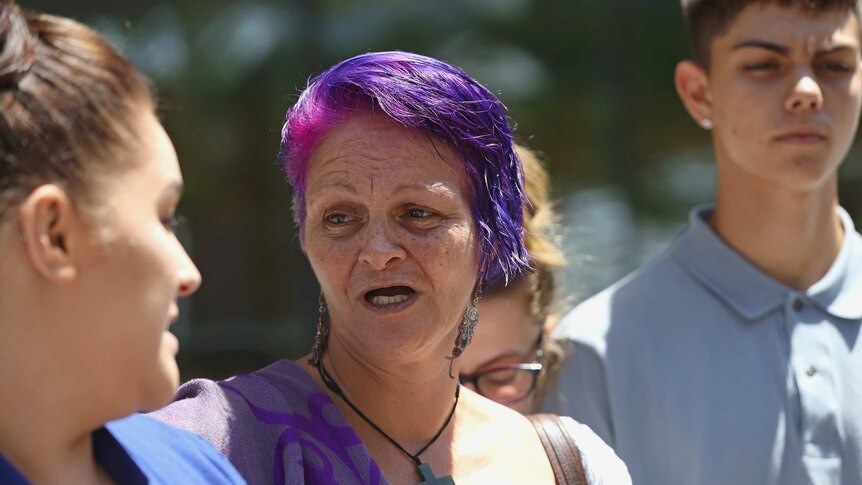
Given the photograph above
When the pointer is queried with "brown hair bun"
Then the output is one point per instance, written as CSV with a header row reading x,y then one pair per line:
x,y
17,45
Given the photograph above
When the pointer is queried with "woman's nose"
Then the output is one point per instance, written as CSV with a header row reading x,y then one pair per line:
x,y
190,276
381,249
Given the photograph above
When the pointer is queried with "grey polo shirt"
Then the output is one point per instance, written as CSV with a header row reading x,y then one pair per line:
x,y
700,369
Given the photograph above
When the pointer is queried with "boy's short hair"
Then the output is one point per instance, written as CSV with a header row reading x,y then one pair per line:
x,y
707,19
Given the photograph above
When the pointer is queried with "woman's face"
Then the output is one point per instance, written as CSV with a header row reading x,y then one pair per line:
x,y
391,238
136,272
506,334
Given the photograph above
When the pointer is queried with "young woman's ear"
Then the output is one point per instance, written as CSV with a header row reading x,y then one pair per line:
x,y
47,220
692,85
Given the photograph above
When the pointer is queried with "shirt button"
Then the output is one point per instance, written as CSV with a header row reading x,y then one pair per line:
x,y
810,371
798,304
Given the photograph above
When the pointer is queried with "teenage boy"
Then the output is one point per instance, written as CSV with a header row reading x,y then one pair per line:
x,y
735,358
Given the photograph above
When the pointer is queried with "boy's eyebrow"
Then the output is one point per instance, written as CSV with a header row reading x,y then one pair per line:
x,y
836,48
784,50
762,44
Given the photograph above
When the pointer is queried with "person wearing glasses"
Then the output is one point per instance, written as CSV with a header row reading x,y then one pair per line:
x,y
511,359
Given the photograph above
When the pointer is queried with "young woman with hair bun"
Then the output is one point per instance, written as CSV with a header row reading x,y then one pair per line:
x,y
90,269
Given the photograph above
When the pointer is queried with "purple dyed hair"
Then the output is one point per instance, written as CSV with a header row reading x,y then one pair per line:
x,y
436,99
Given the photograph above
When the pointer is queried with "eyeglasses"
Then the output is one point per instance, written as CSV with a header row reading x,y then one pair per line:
x,y
506,383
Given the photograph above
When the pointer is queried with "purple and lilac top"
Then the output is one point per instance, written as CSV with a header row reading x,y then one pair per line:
x,y
278,426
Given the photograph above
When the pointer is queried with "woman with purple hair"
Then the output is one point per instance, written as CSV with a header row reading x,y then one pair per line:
x,y
408,197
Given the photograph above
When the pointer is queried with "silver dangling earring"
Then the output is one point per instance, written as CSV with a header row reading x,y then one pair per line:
x,y
465,330
322,333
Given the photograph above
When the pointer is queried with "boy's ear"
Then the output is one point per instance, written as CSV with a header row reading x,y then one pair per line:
x,y
692,85
47,218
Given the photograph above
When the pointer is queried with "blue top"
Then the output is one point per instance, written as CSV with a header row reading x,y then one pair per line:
x,y
140,450
701,369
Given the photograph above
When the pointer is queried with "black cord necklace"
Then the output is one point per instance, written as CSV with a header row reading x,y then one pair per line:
x,y
425,472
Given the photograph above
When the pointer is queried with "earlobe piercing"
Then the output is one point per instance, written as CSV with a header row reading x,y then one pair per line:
x,y
706,124
22,237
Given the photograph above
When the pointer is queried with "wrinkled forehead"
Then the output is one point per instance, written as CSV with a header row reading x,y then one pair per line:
x,y
806,30
372,149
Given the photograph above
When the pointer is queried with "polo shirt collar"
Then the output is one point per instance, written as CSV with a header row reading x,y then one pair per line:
x,y
752,293
839,292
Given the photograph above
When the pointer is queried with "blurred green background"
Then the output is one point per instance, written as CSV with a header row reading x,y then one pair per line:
x,y
589,83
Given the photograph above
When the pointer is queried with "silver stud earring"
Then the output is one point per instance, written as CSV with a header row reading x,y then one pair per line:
x,y
706,124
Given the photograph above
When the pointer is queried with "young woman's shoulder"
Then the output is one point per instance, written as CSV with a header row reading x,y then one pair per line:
x,y
512,448
499,445
601,464
165,454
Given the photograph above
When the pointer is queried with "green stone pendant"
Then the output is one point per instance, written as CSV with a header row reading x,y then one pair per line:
x,y
428,477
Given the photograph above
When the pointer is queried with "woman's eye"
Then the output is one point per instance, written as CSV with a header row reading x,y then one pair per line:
x,y
337,219
418,213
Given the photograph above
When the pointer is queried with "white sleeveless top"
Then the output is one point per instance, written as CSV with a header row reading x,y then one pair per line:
x,y
601,465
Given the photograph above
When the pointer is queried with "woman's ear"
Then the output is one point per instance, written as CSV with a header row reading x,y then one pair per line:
x,y
48,220
692,85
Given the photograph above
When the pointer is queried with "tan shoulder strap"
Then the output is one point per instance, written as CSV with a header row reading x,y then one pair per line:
x,y
561,448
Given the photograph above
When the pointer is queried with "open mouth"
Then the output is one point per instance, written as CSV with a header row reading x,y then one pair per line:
x,y
390,295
